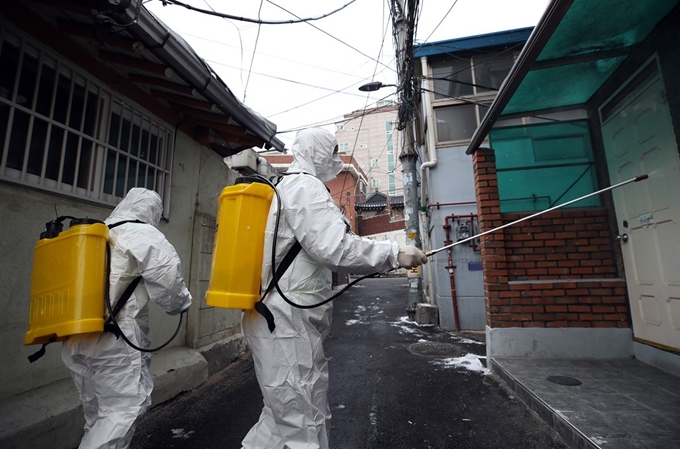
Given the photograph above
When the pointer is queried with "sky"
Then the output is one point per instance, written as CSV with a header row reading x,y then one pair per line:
x,y
308,74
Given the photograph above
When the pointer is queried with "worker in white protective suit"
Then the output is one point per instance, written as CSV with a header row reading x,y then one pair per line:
x,y
112,378
290,364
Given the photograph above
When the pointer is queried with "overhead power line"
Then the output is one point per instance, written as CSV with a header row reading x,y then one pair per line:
x,y
258,21
286,80
353,75
240,39
441,21
252,59
333,37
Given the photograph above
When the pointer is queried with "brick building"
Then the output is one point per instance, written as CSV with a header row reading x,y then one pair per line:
x,y
381,215
599,278
460,78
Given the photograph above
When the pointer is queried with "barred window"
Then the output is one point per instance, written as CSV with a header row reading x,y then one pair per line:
x,y
63,131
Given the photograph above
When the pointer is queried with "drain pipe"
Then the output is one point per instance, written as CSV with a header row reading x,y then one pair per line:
x,y
431,162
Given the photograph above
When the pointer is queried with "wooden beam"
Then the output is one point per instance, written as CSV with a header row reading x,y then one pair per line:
x,y
64,5
48,34
224,151
231,132
136,63
243,139
90,32
164,83
182,100
200,115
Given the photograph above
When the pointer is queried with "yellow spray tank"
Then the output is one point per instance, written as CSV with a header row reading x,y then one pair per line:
x,y
68,281
239,244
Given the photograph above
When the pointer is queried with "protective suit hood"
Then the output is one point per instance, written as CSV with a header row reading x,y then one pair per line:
x,y
139,204
313,153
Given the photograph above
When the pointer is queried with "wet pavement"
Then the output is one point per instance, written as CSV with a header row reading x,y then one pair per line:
x,y
393,385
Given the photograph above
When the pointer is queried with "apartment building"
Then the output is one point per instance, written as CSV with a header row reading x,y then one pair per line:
x,y
368,135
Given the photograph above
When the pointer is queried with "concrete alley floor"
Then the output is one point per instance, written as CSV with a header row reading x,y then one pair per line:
x,y
599,404
393,384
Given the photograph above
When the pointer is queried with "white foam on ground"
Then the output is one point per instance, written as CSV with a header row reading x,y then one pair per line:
x,y
470,362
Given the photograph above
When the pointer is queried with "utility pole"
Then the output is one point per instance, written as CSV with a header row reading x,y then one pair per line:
x,y
404,15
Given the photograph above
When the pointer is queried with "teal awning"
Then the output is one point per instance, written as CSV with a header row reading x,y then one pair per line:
x,y
575,48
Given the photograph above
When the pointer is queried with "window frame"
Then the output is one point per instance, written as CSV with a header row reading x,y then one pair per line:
x,y
476,96
81,83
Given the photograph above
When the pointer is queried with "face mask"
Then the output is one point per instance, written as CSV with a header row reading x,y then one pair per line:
x,y
330,171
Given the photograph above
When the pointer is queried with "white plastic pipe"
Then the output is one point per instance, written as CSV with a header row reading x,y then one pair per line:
x,y
431,162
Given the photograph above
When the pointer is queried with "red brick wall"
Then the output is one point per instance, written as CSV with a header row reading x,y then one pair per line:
x,y
556,270
378,224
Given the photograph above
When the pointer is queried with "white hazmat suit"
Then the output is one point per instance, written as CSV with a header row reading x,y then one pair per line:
x,y
290,364
112,378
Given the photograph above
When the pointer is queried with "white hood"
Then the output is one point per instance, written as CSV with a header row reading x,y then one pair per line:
x,y
313,153
139,204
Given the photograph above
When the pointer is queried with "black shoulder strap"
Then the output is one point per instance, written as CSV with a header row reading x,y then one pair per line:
x,y
40,352
114,225
108,325
260,306
283,266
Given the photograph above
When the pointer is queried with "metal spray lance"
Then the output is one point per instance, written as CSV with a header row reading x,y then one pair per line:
x,y
635,179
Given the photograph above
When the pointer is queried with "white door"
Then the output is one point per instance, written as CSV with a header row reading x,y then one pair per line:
x,y
639,139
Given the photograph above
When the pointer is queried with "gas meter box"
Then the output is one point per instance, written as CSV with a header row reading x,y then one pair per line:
x,y
68,283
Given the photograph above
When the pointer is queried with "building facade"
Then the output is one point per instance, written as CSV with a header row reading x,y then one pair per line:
x,y
86,114
459,80
367,135
598,278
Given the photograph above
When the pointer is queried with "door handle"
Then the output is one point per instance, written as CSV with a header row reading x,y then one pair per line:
x,y
623,238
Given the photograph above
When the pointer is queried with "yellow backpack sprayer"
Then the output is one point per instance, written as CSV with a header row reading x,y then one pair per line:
x,y
70,284
235,279
67,285
239,244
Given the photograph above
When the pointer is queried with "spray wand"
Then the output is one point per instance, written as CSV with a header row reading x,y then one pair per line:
x,y
635,179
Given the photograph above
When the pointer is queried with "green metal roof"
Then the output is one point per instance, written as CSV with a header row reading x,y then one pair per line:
x,y
576,46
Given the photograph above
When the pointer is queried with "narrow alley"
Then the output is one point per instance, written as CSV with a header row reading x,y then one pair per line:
x,y
393,385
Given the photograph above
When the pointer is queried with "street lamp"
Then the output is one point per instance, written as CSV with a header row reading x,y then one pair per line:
x,y
374,85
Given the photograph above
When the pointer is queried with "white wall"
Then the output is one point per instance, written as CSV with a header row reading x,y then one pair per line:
x,y
198,176
24,214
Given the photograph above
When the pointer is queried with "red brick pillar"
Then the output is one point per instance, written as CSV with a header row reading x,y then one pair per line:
x,y
494,264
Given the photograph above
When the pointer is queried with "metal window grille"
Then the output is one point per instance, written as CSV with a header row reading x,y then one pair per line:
x,y
61,130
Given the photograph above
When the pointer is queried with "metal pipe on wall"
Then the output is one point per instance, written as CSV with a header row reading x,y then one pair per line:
x,y
450,267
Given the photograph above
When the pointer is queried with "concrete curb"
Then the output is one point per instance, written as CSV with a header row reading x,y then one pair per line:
x,y
222,353
51,417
